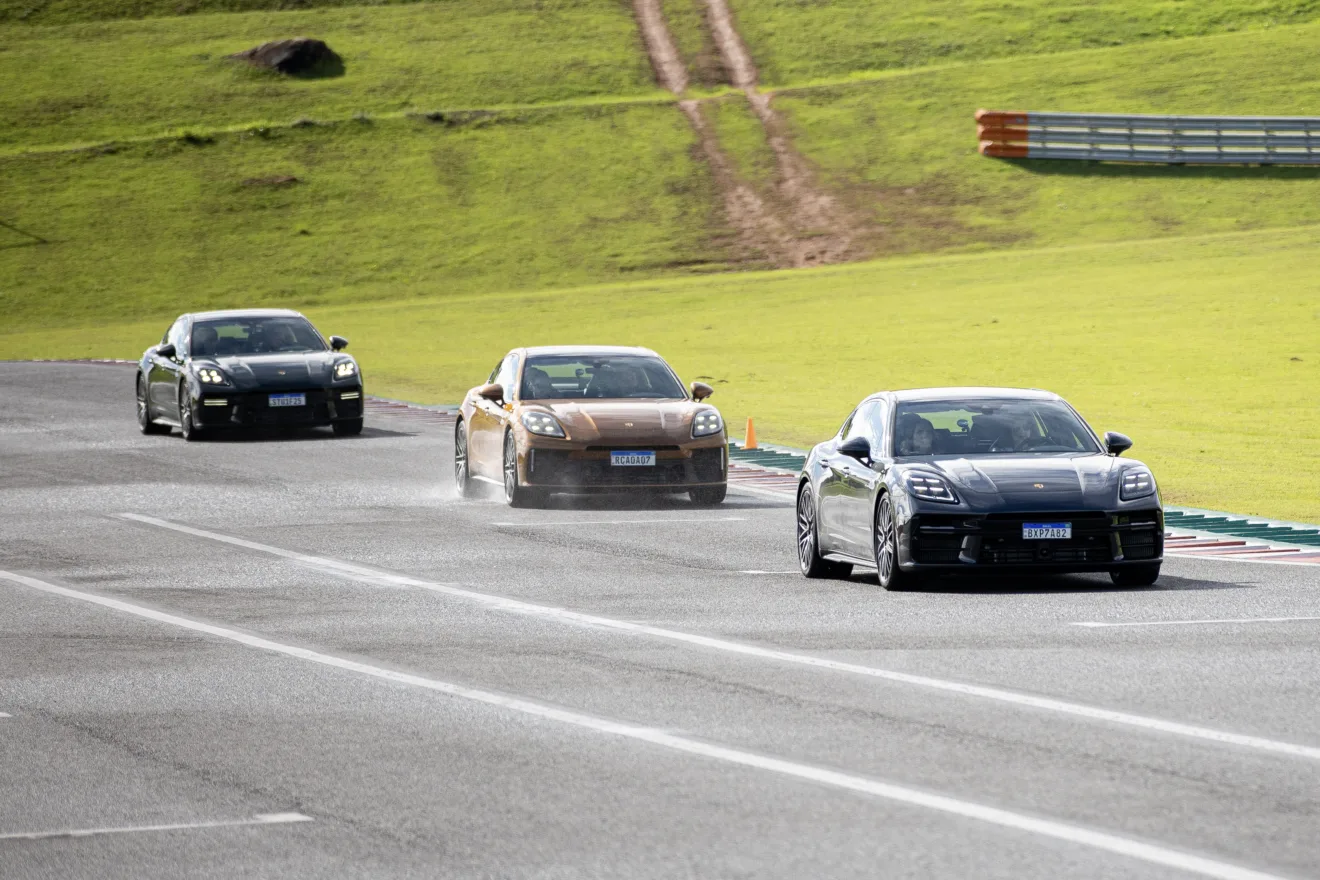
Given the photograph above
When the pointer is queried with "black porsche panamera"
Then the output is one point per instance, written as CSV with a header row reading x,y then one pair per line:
x,y
976,480
260,367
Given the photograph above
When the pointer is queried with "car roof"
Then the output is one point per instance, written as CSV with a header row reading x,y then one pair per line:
x,y
587,350
244,313
967,393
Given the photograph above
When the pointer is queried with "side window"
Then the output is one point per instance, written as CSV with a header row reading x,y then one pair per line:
x,y
507,374
861,424
878,428
175,336
494,374
179,338
847,426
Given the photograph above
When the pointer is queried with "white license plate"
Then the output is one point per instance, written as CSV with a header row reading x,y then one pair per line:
x,y
1046,531
298,399
632,459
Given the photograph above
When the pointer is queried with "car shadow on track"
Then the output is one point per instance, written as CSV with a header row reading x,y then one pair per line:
x,y
295,435
1059,583
625,502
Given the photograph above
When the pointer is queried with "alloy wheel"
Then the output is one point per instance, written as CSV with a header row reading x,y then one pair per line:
x,y
806,529
460,458
185,414
510,468
144,417
885,543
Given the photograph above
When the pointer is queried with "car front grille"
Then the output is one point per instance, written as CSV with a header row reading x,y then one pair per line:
x,y
553,467
254,409
996,539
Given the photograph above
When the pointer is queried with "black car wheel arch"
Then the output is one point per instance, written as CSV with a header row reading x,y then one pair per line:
x,y
187,426
884,540
146,422
810,562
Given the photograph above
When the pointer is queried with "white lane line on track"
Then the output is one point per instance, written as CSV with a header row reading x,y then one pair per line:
x,y
5,715
758,571
1097,624
1051,828
259,819
618,522
364,574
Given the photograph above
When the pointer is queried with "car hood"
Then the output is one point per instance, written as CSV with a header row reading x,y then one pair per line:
x,y
667,422
259,372
1032,481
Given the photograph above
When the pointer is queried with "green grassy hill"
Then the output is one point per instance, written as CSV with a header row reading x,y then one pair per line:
x,y
497,172
90,83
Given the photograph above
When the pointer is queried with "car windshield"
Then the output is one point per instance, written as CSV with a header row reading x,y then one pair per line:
x,y
231,336
989,427
578,377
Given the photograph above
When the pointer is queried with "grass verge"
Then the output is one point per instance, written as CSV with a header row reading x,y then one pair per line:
x,y
1152,338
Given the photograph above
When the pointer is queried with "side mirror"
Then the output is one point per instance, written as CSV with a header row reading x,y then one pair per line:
x,y
858,448
700,390
1117,443
493,393
338,343
166,351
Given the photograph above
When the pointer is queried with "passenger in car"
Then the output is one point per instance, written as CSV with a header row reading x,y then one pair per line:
x,y
204,340
920,440
537,384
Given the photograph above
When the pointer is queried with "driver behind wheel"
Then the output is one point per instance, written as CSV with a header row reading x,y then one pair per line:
x,y
280,336
1024,434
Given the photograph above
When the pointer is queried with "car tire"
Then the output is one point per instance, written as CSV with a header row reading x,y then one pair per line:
x,y
462,472
146,423
347,427
1136,575
516,495
708,496
885,548
191,432
810,562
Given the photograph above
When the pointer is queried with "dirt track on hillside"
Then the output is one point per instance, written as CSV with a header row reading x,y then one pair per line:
x,y
759,231
813,208
800,226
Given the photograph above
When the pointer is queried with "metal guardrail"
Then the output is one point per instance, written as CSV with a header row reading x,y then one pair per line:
x,y
1176,140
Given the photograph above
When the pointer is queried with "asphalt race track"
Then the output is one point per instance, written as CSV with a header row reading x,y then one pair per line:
x,y
303,657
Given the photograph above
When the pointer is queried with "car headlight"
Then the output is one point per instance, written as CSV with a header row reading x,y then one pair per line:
x,y
707,422
1136,484
344,369
212,377
542,424
929,487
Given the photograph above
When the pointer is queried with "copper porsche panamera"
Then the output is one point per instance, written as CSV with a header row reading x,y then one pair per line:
x,y
579,419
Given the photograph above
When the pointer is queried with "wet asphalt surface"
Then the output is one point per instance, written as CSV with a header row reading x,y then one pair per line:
x,y
314,625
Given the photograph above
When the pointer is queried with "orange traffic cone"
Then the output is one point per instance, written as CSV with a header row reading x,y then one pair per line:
x,y
750,442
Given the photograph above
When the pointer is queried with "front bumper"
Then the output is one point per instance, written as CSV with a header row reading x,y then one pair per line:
x,y
588,469
253,409
1101,541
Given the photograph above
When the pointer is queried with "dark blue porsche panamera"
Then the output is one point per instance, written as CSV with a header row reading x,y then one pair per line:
x,y
976,480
